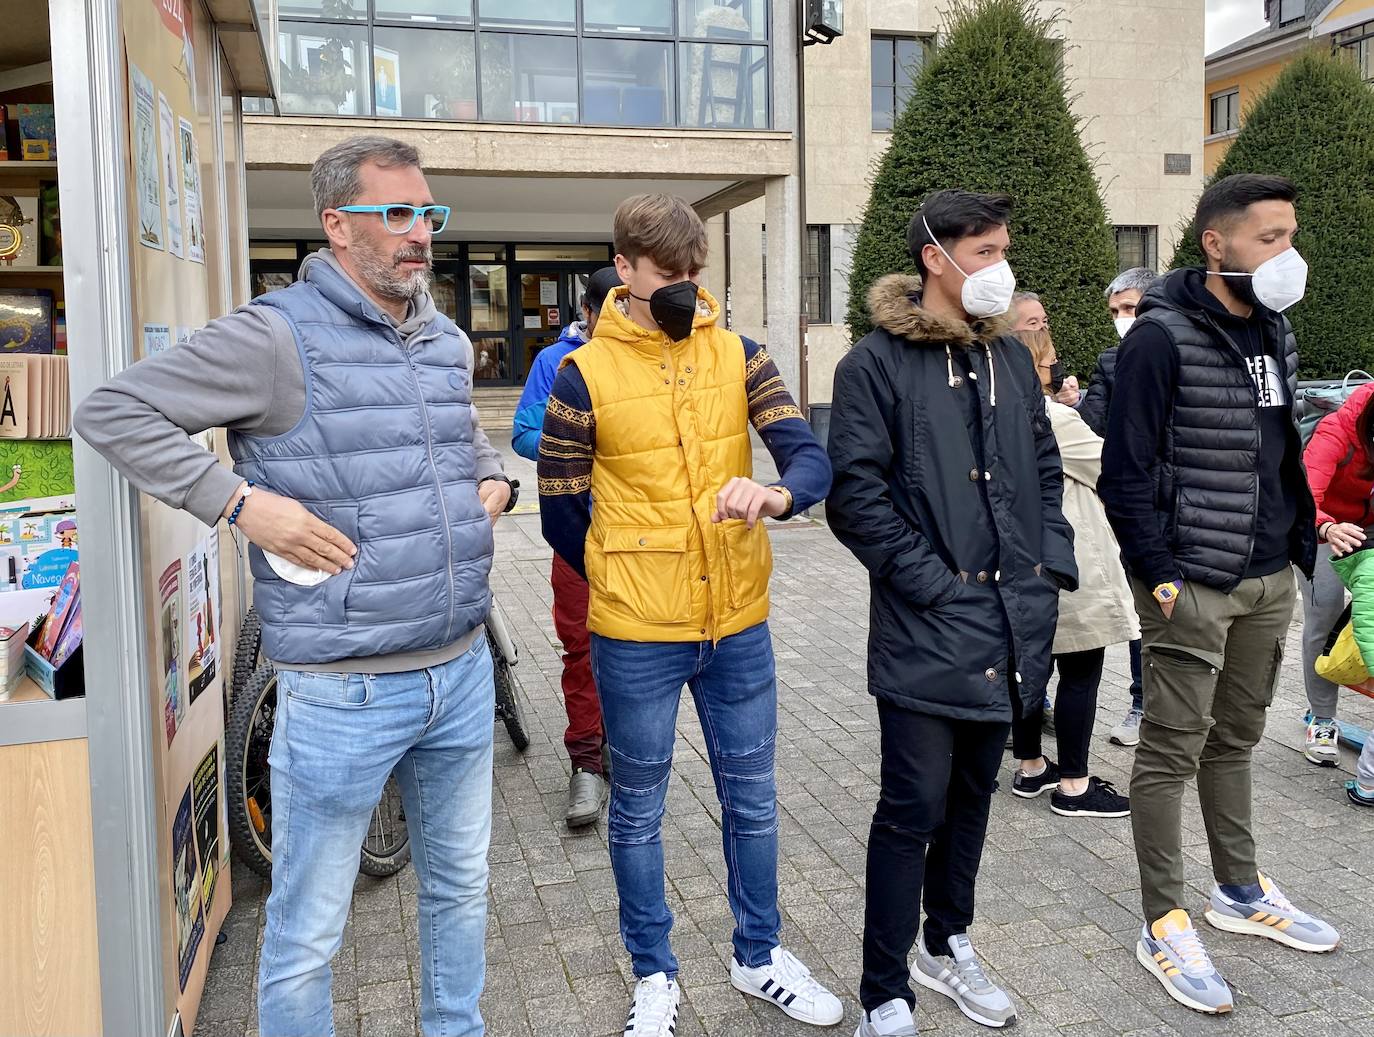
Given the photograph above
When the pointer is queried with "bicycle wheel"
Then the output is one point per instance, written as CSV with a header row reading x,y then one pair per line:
x,y
247,654
247,740
507,702
387,846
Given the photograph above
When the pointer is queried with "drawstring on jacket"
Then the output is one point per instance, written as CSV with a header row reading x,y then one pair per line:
x,y
955,381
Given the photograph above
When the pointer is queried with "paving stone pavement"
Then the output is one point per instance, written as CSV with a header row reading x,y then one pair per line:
x,y
1058,898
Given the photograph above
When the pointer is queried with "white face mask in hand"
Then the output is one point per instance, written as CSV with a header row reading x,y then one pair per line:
x,y
1279,282
986,293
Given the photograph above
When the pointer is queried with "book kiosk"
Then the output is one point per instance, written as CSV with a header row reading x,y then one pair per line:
x,y
122,231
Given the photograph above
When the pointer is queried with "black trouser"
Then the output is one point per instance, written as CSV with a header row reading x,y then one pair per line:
x,y
938,776
1075,708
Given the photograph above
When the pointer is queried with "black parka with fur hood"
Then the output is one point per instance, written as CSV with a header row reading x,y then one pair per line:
x,y
918,506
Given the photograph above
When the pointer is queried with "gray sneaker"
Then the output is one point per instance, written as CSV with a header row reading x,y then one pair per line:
x,y
1127,732
586,796
1172,950
960,977
892,1019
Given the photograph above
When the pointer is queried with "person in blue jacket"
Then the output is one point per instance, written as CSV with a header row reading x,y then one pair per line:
x,y
585,735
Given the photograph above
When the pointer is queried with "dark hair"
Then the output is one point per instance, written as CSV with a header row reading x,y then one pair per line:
x,y
953,216
599,286
1230,196
1364,436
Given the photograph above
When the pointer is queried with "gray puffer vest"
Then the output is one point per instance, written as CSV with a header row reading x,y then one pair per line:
x,y
384,453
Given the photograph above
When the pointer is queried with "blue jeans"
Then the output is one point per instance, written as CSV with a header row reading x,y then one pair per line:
x,y
735,692
337,738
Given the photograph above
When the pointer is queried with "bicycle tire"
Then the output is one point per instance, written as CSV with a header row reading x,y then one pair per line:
x,y
391,853
507,701
250,827
247,653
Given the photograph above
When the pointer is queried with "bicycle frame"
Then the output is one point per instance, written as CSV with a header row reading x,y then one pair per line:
x,y
496,623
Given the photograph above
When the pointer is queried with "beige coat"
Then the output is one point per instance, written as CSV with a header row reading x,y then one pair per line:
x,y
1100,612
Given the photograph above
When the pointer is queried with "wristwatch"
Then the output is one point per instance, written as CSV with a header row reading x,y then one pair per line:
x,y
787,500
1167,592
514,485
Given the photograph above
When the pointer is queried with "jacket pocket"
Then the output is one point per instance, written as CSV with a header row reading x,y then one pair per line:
x,y
334,601
647,571
748,561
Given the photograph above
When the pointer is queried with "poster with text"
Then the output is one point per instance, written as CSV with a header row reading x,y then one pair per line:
x,y
190,189
147,182
169,649
201,638
171,175
186,890
157,338
205,805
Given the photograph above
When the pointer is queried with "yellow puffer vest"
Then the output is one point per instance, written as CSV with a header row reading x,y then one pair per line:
x,y
672,428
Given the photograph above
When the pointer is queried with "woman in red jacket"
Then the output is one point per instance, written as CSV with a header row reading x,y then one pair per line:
x,y
1340,471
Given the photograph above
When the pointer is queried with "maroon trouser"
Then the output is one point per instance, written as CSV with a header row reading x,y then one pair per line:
x,y
585,736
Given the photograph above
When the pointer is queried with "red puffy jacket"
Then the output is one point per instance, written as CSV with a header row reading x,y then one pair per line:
x,y
1333,458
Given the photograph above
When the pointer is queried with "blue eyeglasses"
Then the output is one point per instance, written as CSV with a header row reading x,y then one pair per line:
x,y
400,218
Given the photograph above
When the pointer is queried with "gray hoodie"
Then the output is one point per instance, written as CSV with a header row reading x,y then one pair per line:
x,y
241,372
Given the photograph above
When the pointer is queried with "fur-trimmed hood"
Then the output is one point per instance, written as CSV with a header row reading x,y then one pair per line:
x,y
894,303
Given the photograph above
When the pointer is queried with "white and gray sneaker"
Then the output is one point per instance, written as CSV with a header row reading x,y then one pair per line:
x,y
1127,732
960,977
788,983
1322,744
653,1011
892,1019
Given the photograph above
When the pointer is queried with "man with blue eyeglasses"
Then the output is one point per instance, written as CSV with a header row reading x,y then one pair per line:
x,y
368,491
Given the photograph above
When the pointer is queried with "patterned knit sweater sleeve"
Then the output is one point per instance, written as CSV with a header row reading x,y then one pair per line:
x,y
566,447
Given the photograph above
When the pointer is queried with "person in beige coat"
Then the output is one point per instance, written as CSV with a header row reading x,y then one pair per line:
x,y
1098,614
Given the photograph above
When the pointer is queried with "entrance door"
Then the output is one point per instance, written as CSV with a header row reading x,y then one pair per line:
x,y
489,302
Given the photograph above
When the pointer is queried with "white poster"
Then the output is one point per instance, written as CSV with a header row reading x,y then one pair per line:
x,y
190,187
548,293
147,182
171,175
157,338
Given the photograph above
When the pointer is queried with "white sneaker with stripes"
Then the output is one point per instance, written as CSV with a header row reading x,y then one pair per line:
x,y
653,1011
789,984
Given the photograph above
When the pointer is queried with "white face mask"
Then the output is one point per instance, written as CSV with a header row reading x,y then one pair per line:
x,y
1123,325
986,293
1279,282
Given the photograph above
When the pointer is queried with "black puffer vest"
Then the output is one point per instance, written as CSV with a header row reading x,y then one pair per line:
x,y
1207,486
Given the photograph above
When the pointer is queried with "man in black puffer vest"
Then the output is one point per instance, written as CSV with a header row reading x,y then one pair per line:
x,y
1203,482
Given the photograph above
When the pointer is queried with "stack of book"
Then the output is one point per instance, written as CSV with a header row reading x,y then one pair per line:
x,y
60,634
35,397
12,641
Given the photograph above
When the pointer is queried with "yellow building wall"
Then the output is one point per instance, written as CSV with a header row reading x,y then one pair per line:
x,y
1253,83
1349,7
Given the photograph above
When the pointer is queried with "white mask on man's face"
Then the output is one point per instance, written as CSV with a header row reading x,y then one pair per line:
x,y
1278,282
986,293
1123,325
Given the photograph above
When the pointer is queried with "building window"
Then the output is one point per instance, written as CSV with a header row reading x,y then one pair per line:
x,y
651,63
1291,10
1137,246
817,283
896,62
1226,111
1357,44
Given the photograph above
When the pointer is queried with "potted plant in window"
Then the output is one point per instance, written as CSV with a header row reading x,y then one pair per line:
x,y
320,78
453,83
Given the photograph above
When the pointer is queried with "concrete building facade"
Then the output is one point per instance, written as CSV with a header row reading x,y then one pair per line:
x,y
536,117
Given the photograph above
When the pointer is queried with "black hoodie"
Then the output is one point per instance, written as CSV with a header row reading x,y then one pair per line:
x,y
1142,416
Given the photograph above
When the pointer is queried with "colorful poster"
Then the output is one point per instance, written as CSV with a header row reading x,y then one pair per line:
x,y
186,890
169,649
205,792
171,173
202,624
147,181
190,187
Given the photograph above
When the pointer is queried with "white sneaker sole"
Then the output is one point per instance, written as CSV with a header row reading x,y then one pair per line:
x,y
942,988
744,988
1128,743
1143,956
1037,793
1090,813
1320,758
1245,927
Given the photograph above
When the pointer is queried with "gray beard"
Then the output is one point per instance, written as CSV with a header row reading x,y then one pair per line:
x,y
384,276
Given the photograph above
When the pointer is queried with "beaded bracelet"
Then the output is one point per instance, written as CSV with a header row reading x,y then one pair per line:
x,y
234,515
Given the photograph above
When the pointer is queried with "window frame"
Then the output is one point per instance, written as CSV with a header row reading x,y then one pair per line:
x,y
1233,108
1149,250
924,41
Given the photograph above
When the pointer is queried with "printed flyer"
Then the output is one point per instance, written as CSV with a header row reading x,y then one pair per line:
x,y
171,173
205,798
190,183
147,182
186,890
169,647
201,623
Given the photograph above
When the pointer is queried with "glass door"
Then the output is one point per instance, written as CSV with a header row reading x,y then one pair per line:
x,y
543,312
489,300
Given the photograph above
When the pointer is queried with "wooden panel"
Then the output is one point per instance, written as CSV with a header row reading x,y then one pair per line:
x,y
49,966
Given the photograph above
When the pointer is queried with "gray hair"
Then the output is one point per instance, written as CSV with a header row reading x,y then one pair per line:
x,y
1137,279
1020,297
334,176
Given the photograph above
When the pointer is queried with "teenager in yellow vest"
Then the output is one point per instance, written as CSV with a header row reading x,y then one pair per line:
x,y
645,486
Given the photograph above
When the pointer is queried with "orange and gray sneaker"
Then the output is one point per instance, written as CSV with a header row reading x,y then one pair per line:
x,y
1172,950
1273,916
